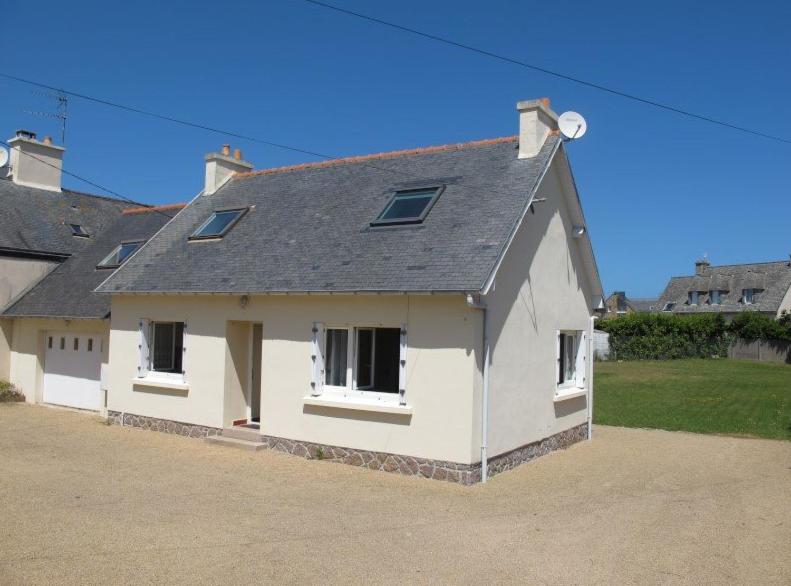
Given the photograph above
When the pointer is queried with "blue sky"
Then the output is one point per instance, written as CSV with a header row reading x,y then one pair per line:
x,y
659,189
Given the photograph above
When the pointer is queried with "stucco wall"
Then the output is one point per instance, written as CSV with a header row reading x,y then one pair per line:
x,y
442,368
27,349
18,274
540,288
785,305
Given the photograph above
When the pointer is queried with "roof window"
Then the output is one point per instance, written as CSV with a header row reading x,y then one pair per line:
x,y
119,254
218,224
669,306
408,207
77,230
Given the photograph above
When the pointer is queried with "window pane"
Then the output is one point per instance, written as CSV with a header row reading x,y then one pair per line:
x,y
562,359
217,223
90,344
126,250
163,346
570,356
335,362
365,354
406,206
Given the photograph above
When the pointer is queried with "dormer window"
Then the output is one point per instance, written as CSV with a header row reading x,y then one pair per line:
x,y
715,297
79,231
748,296
119,254
218,224
693,298
408,207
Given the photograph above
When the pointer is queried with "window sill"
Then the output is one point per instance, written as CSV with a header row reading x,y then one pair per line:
x,y
564,394
356,404
161,383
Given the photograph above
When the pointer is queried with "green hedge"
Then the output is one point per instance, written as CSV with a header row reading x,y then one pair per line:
x,y
664,336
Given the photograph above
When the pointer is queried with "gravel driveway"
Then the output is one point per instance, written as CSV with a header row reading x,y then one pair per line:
x,y
84,503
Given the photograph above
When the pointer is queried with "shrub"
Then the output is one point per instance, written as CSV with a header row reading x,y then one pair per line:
x,y
659,336
9,393
751,326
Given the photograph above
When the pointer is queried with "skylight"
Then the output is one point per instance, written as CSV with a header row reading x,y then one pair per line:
x,y
218,224
77,230
408,207
119,254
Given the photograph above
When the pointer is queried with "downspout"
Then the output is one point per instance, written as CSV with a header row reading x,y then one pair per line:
x,y
475,302
590,377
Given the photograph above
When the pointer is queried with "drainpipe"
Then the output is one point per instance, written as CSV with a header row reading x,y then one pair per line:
x,y
476,303
590,377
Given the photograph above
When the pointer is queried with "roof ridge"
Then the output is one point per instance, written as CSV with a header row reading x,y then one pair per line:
x,y
146,209
382,155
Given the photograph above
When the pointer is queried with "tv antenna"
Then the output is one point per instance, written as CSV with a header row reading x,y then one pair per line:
x,y
572,125
60,113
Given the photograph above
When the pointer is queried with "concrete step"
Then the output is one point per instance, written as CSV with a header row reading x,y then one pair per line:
x,y
242,433
232,442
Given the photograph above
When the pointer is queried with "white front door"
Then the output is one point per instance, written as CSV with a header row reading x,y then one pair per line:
x,y
72,363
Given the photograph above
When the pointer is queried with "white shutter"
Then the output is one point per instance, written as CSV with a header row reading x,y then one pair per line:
x,y
558,350
317,357
144,356
582,359
184,352
402,367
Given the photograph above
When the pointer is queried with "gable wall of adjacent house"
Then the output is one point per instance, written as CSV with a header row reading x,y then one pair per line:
x,y
17,275
785,305
540,288
443,380
28,349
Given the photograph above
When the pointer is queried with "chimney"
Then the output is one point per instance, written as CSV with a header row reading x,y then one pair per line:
x,y
33,163
700,266
536,121
220,166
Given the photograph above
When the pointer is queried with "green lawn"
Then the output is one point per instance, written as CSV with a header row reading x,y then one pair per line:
x,y
704,396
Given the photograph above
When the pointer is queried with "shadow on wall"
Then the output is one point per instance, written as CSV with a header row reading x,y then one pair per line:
x,y
570,406
346,415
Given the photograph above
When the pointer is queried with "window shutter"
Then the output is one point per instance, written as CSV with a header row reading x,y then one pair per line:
x,y
558,350
144,356
402,367
582,360
184,352
317,357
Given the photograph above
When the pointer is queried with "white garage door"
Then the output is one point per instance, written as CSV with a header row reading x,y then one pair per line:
x,y
72,363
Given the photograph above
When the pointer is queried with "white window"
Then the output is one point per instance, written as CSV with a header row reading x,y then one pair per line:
x,y
715,297
693,298
748,296
571,357
162,348
367,362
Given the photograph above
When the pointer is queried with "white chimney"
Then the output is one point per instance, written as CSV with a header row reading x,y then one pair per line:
x,y
35,164
536,121
219,166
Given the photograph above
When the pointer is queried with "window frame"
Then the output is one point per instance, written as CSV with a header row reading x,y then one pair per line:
x,y
351,390
152,370
379,221
105,265
242,212
693,295
562,382
669,306
78,231
752,296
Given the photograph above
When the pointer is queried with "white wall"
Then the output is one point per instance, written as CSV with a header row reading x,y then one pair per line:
x,y
785,305
27,349
541,288
442,368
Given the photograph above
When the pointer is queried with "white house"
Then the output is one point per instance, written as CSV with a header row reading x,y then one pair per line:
x,y
424,311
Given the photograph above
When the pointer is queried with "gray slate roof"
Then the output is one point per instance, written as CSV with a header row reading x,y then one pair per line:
x,y
68,291
773,277
35,219
643,304
308,227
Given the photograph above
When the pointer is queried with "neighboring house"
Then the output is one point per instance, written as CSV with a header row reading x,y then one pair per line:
x,y
56,246
619,304
344,309
730,289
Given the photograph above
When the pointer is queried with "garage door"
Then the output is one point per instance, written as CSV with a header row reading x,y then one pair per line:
x,y
72,363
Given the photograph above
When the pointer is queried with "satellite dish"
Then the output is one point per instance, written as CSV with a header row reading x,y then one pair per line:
x,y
3,157
572,125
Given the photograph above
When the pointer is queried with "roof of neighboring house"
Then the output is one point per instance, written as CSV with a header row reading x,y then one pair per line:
x,y
643,304
773,279
308,226
36,220
68,291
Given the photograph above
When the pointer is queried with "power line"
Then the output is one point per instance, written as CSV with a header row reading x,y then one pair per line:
x,y
88,181
520,63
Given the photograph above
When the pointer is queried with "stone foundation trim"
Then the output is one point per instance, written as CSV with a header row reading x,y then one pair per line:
x,y
466,474
163,425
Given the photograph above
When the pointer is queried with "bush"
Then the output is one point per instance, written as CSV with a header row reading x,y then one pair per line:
x,y
751,326
658,336
9,393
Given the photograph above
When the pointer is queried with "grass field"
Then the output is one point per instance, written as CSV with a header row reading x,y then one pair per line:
x,y
703,396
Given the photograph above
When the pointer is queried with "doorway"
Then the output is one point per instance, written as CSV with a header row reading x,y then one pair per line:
x,y
254,386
